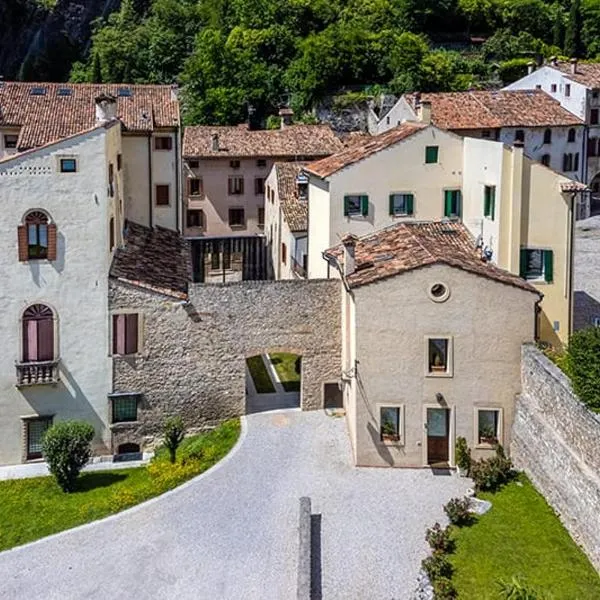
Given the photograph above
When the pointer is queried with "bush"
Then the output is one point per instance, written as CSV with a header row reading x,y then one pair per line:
x,y
66,448
518,590
457,511
583,365
492,473
438,538
463,454
437,566
443,589
173,431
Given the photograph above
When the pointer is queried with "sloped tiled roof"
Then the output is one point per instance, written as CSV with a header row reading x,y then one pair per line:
x,y
407,246
495,109
53,115
157,259
587,74
294,210
363,149
292,141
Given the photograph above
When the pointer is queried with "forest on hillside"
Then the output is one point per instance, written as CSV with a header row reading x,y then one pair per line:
x,y
229,55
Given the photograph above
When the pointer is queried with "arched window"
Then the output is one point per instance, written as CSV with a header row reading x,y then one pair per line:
x,y
571,135
548,136
546,160
37,237
38,333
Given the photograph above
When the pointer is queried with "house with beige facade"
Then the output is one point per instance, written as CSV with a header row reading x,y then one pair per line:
x,y
519,212
431,343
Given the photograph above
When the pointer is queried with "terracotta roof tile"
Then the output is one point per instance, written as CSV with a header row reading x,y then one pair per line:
x,y
50,116
495,109
294,210
587,74
156,259
406,246
295,141
363,149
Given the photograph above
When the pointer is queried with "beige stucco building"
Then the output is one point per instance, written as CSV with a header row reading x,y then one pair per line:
x,y
520,212
431,337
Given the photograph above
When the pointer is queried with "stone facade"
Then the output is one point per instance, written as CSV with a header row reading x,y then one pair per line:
x,y
192,353
555,440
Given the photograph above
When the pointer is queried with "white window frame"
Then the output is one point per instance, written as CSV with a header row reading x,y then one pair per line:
x,y
401,422
499,432
449,372
542,277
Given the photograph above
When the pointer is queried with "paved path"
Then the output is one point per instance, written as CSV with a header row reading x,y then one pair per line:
x,y
231,534
587,272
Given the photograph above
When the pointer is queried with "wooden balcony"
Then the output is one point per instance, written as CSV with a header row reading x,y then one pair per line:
x,y
37,373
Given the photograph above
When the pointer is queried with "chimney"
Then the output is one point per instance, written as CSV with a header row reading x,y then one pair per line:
x,y
424,112
553,61
349,242
530,67
286,115
106,108
573,66
215,142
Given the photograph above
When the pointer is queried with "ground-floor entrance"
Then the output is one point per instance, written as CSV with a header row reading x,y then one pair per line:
x,y
438,436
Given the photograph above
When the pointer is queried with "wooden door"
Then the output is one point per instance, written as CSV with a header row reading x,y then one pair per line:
x,y
438,435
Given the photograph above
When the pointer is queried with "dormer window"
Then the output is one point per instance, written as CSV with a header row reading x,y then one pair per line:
x,y
10,141
37,91
124,92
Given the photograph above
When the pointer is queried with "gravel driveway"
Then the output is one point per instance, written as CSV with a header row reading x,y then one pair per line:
x,y
232,532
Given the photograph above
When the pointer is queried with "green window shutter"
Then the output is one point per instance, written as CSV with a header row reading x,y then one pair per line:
x,y
523,263
364,205
448,203
458,205
431,154
391,204
493,203
346,211
487,200
410,204
548,266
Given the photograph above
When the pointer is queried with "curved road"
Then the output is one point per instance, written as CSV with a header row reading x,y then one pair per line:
x,y
232,532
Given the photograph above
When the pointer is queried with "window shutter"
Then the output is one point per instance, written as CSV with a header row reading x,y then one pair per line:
x,y
486,201
493,204
364,205
392,204
409,204
230,186
523,263
346,211
565,162
448,203
241,185
22,241
458,203
119,334
30,341
548,266
131,334
576,162
45,339
51,242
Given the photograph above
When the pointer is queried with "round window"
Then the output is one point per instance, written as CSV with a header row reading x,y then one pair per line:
x,y
439,292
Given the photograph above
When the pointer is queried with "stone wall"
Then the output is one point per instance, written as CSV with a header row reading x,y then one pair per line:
x,y
192,358
555,440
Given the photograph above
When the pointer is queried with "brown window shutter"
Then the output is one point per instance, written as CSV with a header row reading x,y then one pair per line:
x,y
131,334
51,241
22,238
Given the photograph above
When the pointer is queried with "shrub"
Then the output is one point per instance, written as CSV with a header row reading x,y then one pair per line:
x,y
173,431
457,511
515,589
437,566
438,538
463,454
492,473
583,365
443,589
67,448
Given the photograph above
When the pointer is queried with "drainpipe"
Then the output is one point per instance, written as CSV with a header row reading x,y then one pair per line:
x,y
150,179
178,199
571,261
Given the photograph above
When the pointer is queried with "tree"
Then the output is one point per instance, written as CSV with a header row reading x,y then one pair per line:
x,y
96,69
173,432
573,44
583,365
66,447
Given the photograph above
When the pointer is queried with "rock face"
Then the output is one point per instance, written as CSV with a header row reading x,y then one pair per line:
x,y
40,43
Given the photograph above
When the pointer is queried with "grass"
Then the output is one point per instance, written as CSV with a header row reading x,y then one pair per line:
x,y
34,508
260,375
285,365
520,536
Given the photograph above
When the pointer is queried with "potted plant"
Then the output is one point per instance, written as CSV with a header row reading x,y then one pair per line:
x,y
487,435
437,364
463,457
388,432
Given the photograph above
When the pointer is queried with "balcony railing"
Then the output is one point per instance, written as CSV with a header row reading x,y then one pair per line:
x,y
298,269
37,373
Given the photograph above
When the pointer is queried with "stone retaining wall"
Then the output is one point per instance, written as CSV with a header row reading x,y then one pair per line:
x,y
556,440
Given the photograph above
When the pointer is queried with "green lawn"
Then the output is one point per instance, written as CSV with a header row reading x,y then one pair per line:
x,y
285,365
33,508
260,375
521,536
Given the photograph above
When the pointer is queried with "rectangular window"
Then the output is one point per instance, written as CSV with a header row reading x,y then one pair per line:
x,y
235,186
567,90
10,141
162,195
125,333
401,204
553,88
567,162
194,218
438,355
124,408
237,217
283,253
68,165
592,149
537,264
355,205
35,430
594,116
489,422
195,186
163,143
261,163
489,201
234,164
519,135
576,161
431,154
259,186
261,217
390,423
193,164
452,203
119,161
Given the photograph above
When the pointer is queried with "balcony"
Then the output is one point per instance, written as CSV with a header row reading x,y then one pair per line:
x,y
37,373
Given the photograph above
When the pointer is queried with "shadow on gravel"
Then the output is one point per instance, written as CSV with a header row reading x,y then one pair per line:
x,y
316,577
